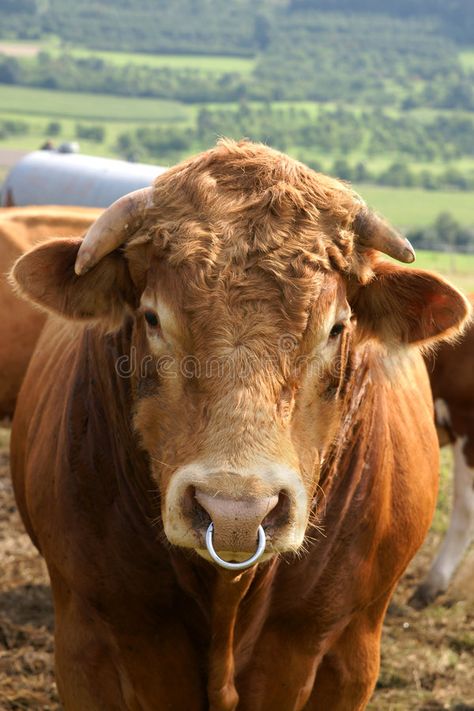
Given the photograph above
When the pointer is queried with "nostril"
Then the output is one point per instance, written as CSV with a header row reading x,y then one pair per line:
x,y
196,513
279,516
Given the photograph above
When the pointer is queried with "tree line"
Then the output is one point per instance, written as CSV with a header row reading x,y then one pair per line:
x,y
302,51
240,27
454,18
444,234
327,133
287,71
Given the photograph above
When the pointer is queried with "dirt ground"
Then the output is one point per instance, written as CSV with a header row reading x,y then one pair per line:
x,y
427,657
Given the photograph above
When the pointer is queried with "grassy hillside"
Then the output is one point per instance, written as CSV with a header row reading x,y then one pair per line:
x,y
458,268
411,207
207,63
214,64
94,107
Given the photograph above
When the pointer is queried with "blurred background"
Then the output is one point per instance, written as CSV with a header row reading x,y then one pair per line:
x,y
377,92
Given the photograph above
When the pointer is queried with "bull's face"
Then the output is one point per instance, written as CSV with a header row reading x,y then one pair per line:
x,y
237,400
253,285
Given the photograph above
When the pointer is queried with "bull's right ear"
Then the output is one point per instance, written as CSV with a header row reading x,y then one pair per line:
x,y
45,275
402,305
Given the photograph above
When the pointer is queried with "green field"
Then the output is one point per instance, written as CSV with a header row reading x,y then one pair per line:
x,y
415,207
212,64
458,268
24,103
38,107
215,64
467,59
124,113
38,134
91,107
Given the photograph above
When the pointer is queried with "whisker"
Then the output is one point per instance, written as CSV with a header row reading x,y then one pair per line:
x,y
158,461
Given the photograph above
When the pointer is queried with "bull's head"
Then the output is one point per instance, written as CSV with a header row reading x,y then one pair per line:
x,y
254,285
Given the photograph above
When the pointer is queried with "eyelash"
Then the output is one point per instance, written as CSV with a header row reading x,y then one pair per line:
x,y
336,330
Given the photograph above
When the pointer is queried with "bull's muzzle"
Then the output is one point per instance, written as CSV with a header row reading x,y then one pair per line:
x,y
236,518
235,522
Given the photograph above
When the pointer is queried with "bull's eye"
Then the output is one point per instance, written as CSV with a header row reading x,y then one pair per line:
x,y
152,319
336,330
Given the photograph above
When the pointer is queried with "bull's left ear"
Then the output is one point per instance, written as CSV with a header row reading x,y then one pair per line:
x,y
405,305
45,275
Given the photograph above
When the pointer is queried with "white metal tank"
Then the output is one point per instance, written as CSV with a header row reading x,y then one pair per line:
x,y
50,177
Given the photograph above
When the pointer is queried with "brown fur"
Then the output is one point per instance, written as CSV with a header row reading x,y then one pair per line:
x,y
250,259
20,324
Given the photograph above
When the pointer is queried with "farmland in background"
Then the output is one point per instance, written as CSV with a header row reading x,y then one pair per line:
x,y
378,97
414,207
37,111
458,268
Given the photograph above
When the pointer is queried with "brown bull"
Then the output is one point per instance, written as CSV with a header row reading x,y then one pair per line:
x,y
229,364
20,323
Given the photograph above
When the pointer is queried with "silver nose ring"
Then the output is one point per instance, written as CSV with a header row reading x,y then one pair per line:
x,y
235,566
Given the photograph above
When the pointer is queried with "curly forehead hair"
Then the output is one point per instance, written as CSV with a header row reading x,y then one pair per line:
x,y
242,202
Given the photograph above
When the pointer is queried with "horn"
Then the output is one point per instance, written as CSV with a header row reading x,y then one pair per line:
x,y
114,227
374,233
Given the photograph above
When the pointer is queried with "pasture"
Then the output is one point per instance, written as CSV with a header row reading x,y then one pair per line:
x,y
37,108
25,101
214,64
459,268
415,207
467,59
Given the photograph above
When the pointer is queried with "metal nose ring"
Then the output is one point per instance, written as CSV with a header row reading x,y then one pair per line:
x,y
235,566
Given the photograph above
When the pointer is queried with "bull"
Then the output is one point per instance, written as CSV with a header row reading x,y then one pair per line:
x,y
224,446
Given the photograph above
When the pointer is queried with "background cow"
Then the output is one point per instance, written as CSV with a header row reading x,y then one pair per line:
x,y
451,371
273,382
20,323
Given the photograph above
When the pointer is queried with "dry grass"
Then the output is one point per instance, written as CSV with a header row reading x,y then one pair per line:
x,y
427,657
